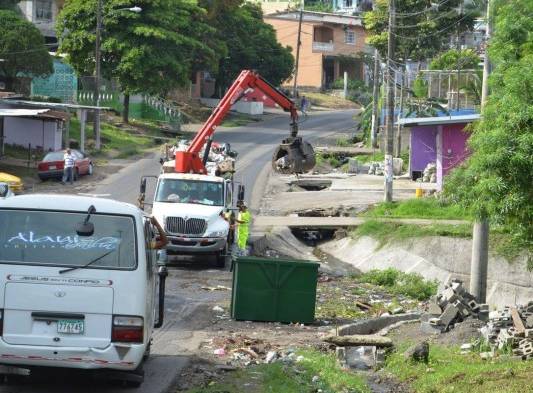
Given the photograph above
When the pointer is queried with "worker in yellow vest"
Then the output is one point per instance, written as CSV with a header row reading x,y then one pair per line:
x,y
243,230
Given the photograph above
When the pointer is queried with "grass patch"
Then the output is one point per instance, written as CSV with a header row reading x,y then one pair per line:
x,y
329,101
367,158
281,378
21,153
387,232
430,208
412,285
118,142
449,371
238,120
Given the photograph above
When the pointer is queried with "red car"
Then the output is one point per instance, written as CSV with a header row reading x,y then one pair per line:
x,y
52,165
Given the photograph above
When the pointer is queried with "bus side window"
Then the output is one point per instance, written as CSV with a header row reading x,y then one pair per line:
x,y
149,239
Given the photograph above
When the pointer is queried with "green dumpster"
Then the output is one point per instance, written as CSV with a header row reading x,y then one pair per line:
x,y
274,290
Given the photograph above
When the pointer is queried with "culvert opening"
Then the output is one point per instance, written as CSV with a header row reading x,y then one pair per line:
x,y
313,236
314,187
319,213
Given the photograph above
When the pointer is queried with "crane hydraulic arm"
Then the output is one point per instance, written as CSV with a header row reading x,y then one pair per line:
x,y
292,156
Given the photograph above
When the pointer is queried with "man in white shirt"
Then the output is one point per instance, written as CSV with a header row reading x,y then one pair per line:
x,y
68,171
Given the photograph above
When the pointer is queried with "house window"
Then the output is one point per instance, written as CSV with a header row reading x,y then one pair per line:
x,y
347,3
43,10
349,37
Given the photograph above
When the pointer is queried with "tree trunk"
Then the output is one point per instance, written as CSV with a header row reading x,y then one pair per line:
x,y
126,110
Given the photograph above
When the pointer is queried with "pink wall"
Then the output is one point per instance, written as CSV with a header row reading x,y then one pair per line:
x,y
454,148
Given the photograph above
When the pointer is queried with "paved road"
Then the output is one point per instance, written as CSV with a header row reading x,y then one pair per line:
x,y
173,343
255,144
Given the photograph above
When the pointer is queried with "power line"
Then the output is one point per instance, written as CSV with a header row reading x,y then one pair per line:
x,y
436,32
408,14
439,16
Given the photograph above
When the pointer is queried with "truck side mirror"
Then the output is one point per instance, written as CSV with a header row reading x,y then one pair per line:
x,y
143,186
240,194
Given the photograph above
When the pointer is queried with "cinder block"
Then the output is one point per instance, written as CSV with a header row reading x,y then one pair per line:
x,y
474,306
449,315
449,295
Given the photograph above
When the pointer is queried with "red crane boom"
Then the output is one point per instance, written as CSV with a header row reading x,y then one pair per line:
x,y
300,155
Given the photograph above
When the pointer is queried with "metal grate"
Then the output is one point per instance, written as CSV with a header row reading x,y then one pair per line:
x,y
181,226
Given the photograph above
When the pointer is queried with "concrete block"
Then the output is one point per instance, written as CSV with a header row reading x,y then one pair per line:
x,y
449,295
449,315
529,321
428,328
434,309
474,306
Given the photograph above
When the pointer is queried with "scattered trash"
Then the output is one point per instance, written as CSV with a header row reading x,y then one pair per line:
x,y
271,356
217,288
218,309
219,352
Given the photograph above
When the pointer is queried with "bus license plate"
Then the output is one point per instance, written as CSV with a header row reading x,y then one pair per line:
x,y
70,326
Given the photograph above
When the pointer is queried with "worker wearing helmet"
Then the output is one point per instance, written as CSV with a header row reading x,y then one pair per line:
x,y
243,229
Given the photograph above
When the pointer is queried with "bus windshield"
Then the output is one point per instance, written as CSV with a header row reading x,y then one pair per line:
x,y
50,238
190,191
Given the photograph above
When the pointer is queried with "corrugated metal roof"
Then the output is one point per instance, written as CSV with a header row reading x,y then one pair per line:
x,y
21,112
428,121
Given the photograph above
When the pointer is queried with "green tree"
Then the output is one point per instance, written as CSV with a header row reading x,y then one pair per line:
x,y
22,49
497,179
150,52
449,60
249,43
418,35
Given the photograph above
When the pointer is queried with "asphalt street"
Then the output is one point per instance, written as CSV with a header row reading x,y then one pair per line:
x,y
173,344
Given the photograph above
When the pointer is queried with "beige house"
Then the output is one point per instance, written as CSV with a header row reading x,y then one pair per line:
x,y
329,45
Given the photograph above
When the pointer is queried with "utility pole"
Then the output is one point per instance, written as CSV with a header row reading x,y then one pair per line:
x,y
295,88
398,126
458,56
480,232
375,104
389,145
97,56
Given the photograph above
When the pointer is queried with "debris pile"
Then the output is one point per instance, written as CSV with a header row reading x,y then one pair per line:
x,y
376,168
430,173
452,306
240,350
511,328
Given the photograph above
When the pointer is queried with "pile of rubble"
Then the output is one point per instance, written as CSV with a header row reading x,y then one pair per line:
x,y
240,350
221,158
430,173
452,306
376,168
511,328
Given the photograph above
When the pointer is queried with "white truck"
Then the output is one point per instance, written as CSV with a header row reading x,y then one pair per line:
x,y
190,204
191,208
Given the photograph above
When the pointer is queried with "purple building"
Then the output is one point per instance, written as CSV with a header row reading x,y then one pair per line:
x,y
441,140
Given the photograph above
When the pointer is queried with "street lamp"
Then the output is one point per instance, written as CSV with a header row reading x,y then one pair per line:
x,y
97,57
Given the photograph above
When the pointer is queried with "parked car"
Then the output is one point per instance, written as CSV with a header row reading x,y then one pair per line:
x,y
15,183
52,165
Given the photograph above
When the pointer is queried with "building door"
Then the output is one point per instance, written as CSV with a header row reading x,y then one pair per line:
x,y
329,72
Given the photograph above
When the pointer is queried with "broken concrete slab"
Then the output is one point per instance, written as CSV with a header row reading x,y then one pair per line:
x,y
360,340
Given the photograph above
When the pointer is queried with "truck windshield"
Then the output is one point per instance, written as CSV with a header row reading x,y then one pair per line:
x,y
190,191
49,238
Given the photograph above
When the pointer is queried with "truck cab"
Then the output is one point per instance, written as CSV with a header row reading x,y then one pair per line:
x,y
82,285
191,208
